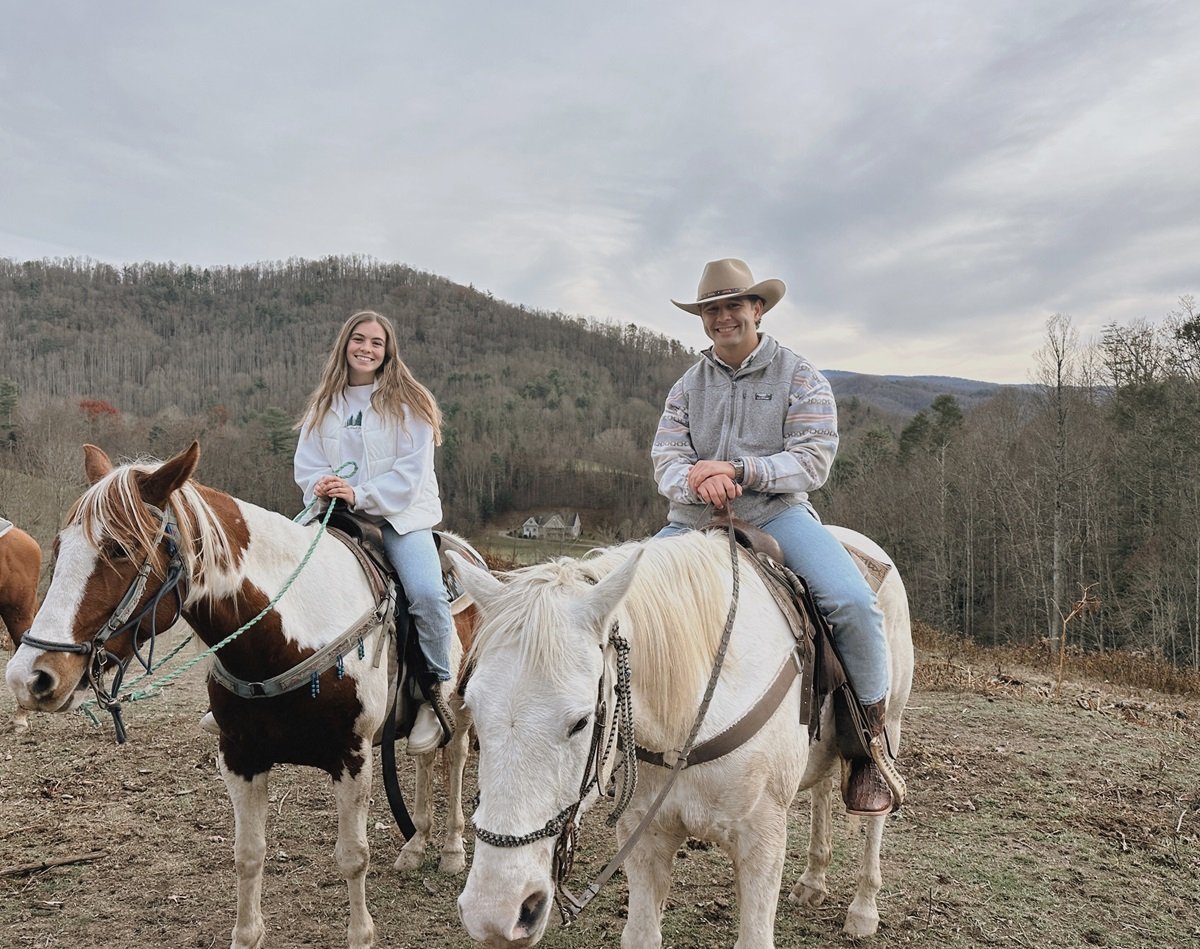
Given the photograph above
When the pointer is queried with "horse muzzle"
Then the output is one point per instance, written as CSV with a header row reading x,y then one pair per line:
x,y
511,917
46,682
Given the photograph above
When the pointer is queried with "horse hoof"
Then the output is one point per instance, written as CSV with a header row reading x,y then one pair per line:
x,y
409,859
452,863
861,926
803,895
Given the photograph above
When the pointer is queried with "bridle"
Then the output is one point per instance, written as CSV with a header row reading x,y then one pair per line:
x,y
123,619
613,692
565,824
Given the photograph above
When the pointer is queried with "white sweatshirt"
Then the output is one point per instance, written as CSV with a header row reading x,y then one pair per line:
x,y
395,480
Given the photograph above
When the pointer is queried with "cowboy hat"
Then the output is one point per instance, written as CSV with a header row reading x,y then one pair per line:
x,y
730,277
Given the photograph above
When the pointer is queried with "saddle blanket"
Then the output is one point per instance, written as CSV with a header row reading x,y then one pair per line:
x,y
5,526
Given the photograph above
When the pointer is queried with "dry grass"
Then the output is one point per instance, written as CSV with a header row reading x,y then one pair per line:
x,y
1119,668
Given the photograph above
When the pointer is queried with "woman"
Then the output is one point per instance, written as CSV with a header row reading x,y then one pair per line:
x,y
369,409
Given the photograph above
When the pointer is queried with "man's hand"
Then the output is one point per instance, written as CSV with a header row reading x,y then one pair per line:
x,y
713,482
701,471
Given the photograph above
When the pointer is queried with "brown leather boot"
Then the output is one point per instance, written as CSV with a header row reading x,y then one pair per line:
x,y
864,789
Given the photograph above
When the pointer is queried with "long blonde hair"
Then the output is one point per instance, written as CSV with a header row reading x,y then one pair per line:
x,y
395,385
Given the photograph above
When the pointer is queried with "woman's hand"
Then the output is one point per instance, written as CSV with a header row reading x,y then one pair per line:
x,y
331,486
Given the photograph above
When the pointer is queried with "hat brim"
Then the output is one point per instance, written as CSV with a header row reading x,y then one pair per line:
x,y
771,291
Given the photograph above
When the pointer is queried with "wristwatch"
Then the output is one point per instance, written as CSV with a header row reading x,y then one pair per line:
x,y
739,470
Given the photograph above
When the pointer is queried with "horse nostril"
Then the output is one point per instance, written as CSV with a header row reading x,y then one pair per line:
x,y
43,683
532,911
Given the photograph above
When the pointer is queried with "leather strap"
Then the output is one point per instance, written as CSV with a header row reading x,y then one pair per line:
x,y
375,619
740,731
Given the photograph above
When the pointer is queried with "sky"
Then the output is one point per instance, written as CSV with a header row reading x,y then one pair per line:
x,y
932,180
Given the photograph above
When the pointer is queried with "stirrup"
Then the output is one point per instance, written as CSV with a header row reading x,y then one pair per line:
x,y
887,768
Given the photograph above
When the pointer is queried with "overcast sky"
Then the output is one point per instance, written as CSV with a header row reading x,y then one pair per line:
x,y
932,179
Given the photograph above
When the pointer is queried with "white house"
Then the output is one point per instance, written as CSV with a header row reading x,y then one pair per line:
x,y
557,526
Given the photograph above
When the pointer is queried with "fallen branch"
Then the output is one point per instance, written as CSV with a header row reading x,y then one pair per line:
x,y
22,869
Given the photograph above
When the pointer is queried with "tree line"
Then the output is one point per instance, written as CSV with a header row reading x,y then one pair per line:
x,y
1003,516
1078,491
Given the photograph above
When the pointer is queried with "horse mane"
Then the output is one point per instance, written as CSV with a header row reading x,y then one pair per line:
x,y
113,508
673,616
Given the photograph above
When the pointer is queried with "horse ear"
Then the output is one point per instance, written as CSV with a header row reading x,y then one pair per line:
x,y
159,485
96,464
609,592
480,585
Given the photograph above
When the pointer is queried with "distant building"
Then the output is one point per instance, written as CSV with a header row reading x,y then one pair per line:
x,y
557,526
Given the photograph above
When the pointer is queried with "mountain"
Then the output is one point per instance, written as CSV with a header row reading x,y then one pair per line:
x,y
905,396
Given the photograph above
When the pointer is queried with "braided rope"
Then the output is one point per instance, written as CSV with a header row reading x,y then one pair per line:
x,y
624,689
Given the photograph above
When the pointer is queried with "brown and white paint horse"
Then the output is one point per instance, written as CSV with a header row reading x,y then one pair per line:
x,y
20,566
235,558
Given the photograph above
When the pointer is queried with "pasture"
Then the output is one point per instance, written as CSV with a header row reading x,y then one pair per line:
x,y
1032,820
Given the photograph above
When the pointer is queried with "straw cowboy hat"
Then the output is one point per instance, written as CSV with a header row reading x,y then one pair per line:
x,y
732,278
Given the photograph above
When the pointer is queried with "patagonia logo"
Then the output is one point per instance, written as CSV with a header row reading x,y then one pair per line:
x,y
763,396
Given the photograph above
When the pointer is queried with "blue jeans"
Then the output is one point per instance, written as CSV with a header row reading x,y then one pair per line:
x,y
840,592
415,559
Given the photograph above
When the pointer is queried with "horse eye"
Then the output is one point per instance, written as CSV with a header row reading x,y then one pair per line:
x,y
579,726
115,551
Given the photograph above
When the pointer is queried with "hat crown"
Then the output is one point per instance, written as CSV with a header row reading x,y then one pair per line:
x,y
723,278
730,277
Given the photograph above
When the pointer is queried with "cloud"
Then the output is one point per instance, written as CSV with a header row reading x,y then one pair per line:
x,y
932,181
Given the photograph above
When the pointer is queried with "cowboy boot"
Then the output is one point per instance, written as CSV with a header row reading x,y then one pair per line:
x,y
865,790
434,724
209,724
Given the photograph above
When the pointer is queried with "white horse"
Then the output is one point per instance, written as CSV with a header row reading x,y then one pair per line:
x,y
545,650
230,558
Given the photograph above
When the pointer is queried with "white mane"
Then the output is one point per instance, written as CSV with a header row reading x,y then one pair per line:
x,y
113,508
673,616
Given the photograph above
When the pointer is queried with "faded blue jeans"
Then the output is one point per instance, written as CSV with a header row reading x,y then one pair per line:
x,y
414,557
840,592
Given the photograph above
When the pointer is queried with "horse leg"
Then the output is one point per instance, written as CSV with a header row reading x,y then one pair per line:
x,y
249,799
811,889
758,859
454,854
353,855
412,854
648,871
862,918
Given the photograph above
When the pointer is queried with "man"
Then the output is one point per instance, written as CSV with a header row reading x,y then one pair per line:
x,y
753,425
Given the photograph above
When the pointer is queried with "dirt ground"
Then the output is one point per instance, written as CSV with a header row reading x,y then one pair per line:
x,y
1032,820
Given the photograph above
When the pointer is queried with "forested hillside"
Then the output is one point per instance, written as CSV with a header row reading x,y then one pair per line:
x,y
541,409
1008,509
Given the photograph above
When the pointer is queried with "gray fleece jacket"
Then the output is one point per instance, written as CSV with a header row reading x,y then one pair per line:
x,y
775,412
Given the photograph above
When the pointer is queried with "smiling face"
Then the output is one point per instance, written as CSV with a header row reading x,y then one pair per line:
x,y
732,325
365,352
